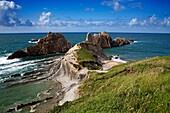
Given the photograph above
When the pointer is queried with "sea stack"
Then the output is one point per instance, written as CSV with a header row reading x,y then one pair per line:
x,y
104,40
51,44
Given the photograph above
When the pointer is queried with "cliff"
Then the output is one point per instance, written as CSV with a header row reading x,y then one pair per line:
x,y
74,67
138,86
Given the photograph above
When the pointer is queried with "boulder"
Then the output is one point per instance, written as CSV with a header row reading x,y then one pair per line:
x,y
51,44
18,54
119,42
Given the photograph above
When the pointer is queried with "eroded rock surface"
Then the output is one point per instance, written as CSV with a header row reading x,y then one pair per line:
x,y
51,44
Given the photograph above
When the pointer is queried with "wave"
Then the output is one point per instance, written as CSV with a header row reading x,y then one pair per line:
x,y
116,58
119,60
16,69
8,67
3,60
32,42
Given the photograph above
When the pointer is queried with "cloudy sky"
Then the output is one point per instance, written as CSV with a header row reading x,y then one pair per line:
x,y
85,15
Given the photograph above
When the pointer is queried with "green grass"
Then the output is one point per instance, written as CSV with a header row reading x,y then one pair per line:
x,y
139,86
87,59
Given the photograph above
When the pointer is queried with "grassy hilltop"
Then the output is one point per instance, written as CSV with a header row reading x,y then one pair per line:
x,y
138,86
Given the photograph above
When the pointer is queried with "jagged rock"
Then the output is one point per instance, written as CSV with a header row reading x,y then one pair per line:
x,y
51,44
18,54
103,39
89,37
120,42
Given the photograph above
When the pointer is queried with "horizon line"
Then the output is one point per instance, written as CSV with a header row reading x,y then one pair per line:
x,y
83,32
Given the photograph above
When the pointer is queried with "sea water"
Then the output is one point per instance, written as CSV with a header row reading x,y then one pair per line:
x,y
145,45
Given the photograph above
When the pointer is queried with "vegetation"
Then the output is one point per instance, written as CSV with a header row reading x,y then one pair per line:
x,y
139,86
87,59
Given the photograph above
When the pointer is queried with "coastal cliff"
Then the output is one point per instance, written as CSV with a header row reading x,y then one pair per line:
x,y
138,86
74,67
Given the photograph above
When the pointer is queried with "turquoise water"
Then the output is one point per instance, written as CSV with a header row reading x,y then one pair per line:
x,y
145,46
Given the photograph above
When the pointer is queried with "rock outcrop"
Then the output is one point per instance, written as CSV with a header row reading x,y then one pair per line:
x,y
51,44
18,54
119,42
104,40
75,66
72,62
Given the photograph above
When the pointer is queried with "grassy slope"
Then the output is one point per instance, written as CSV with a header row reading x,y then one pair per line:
x,y
139,86
87,59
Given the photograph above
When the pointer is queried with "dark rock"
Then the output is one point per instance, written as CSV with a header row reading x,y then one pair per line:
x,y
51,44
131,40
119,42
16,75
20,106
34,40
9,80
18,54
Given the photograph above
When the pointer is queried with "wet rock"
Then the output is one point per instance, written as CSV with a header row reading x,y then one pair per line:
x,y
16,75
18,54
120,42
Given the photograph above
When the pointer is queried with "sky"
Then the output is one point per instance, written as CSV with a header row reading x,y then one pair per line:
x,y
140,16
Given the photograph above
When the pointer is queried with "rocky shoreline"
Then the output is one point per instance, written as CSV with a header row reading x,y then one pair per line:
x,y
68,71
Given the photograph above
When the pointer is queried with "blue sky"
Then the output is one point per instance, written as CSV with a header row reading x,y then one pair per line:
x,y
85,15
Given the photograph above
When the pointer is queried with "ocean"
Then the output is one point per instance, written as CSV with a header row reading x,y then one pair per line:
x,y
146,45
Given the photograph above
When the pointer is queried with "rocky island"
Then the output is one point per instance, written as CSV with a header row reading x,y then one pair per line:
x,y
104,40
51,44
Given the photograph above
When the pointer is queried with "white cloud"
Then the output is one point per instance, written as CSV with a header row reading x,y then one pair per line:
x,y
133,22
153,19
44,18
143,23
8,15
6,5
151,22
115,4
89,9
166,22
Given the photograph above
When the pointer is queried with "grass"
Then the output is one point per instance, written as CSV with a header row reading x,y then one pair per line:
x,y
139,86
87,59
